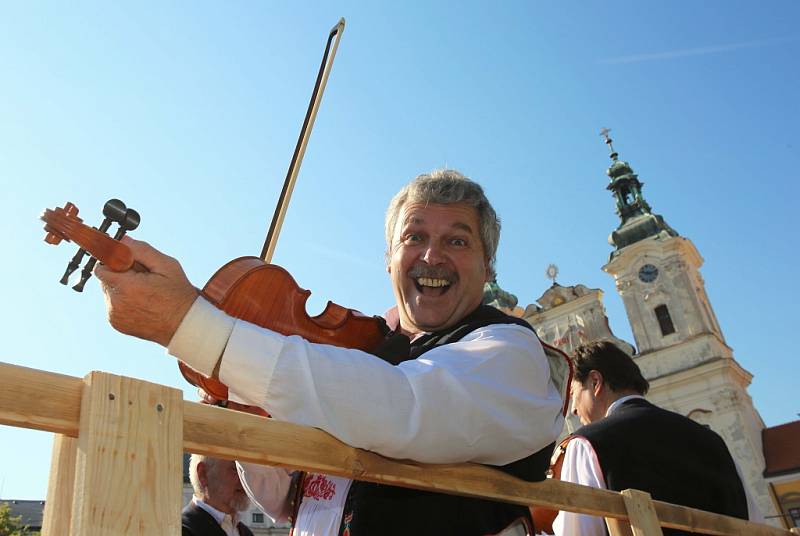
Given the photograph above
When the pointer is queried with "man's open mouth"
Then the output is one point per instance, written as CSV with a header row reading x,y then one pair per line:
x,y
432,286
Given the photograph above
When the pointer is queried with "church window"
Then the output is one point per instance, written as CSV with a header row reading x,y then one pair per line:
x,y
664,320
794,513
258,517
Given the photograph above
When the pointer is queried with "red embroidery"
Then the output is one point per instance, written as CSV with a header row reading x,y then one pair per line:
x,y
347,520
319,488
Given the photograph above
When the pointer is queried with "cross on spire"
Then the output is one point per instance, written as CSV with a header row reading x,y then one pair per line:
x,y
604,132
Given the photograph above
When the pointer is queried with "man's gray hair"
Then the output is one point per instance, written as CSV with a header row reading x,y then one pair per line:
x,y
199,489
445,187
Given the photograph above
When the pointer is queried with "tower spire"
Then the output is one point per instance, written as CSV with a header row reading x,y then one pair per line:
x,y
637,222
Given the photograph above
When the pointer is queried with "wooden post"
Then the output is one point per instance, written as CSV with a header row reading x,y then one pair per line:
x,y
618,527
641,513
128,476
58,506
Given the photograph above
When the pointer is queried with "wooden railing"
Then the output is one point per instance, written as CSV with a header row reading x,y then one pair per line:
x,y
117,460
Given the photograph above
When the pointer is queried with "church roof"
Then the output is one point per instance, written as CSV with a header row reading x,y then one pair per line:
x,y
781,449
557,295
30,511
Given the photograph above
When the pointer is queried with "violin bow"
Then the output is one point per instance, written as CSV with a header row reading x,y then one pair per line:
x,y
334,37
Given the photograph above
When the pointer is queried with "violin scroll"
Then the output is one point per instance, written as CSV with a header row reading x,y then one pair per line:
x,y
68,212
63,223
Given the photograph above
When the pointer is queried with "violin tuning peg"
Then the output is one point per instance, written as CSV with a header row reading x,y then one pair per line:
x,y
128,223
131,220
85,275
68,272
114,210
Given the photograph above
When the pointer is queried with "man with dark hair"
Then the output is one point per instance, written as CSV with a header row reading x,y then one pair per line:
x,y
628,443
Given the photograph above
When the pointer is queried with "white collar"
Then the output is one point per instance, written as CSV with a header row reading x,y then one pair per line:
x,y
216,514
618,402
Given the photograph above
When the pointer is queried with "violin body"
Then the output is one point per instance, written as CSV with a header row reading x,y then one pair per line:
x,y
266,295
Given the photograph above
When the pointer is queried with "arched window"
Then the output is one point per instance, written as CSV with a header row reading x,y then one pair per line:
x,y
664,320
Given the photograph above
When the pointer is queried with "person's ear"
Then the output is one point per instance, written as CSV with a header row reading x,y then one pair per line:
x,y
596,382
202,474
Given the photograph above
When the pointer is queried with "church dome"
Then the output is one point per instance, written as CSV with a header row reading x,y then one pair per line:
x,y
618,169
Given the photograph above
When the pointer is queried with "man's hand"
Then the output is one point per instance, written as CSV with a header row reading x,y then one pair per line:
x,y
206,398
149,305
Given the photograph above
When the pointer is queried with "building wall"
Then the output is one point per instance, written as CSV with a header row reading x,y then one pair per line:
x,y
692,370
786,490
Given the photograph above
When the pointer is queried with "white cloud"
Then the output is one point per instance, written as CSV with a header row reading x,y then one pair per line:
x,y
699,51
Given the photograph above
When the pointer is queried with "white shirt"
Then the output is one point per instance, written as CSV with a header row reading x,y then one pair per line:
x,y
581,466
322,504
487,398
226,521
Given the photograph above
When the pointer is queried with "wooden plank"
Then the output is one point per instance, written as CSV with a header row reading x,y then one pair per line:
x,y
795,531
46,401
691,519
641,513
31,398
224,434
128,477
58,506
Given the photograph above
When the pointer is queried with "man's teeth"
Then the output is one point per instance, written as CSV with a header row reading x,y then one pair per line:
x,y
431,282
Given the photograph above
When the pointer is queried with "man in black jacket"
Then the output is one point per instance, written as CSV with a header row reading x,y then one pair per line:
x,y
218,499
628,443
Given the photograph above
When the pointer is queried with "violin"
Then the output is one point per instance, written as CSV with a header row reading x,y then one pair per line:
x,y
248,288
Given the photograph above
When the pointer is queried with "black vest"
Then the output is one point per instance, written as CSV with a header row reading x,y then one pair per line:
x,y
372,509
675,459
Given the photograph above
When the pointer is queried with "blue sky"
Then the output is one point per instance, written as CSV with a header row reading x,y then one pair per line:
x,y
189,113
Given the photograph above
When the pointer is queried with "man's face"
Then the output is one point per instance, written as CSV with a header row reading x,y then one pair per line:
x,y
437,265
584,401
224,489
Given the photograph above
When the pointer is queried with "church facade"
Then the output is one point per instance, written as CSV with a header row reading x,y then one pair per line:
x,y
679,344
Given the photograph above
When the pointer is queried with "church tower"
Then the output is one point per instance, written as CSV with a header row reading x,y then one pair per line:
x,y
681,348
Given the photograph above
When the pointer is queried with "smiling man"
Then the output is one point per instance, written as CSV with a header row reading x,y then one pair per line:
x,y
453,381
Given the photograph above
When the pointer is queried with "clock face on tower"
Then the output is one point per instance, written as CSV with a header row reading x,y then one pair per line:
x,y
648,273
